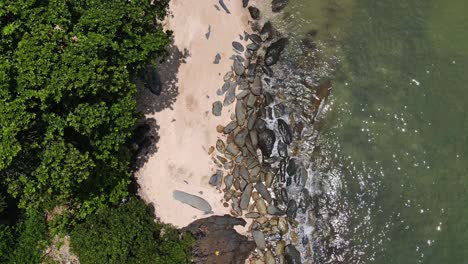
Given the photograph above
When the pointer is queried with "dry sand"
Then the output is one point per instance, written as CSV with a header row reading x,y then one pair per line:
x,y
187,128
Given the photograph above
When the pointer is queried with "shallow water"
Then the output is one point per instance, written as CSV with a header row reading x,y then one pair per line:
x,y
391,166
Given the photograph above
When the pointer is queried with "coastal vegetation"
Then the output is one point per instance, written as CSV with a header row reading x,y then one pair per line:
x,y
67,113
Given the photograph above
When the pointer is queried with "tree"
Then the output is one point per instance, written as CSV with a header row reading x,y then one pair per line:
x,y
128,234
67,100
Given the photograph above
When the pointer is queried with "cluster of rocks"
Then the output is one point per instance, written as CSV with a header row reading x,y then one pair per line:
x,y
254,163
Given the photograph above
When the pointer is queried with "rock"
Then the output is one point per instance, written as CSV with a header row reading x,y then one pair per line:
x,y
228,180
238,46
239,58
292,167
283,226
254,137
223,89
253,46
242,94
257,86
217,108
235,206
254,12
292,255
267,31
221,3
193,200
269,177
256,39
269,258
233,149
263,191
219,129
230,95
215,180
274,51
279,110
279,248
282,149
259,239
239,139
251,100
220,145
261,206
244,173
241,113
266,141
284,195
238,67
227,77
243,184
267,70
251,121
292,209
285,131
207,35
273,210
251,71
231,247
245,3
245,198
252,215
217,59
278,5
248,54
230,127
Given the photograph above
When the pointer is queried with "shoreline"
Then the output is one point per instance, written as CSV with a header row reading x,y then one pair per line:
x,y
186,128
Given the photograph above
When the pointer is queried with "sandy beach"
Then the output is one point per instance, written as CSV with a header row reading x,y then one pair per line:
x,y
186,128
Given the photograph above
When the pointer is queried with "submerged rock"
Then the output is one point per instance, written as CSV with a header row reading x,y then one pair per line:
x,y
193,200
274,51
245,3
218,242
254,12
267,31
278,5
292,255
285,131
292,209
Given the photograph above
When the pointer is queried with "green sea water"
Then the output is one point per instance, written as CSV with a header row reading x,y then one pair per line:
x,y
395,133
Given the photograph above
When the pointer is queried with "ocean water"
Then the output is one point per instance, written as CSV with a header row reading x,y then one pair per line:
x,y
389,169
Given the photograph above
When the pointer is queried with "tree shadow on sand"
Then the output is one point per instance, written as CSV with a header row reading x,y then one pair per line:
x,y
150,103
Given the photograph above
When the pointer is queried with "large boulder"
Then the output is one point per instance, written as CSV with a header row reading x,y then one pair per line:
x,y
273,52
218,242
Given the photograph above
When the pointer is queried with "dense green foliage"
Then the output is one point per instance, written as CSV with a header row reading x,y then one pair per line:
x,y
67,111
128,234
67,101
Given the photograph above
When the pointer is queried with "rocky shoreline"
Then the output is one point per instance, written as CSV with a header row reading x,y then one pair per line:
x,y
258,164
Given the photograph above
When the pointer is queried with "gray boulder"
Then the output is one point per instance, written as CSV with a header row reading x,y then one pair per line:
x,y
254,12
274,51
292,255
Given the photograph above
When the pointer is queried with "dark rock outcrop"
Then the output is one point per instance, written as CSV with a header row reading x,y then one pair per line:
x,y
218,242
274,51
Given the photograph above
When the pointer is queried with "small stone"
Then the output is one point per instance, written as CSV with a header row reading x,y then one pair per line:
x,y
240,113
292,255
219,128
228,180
261,206
256,39
242,94
245,3
238,46
253,46
292,209
269,258
259,239
210,150
279,249
267,31
217,59
230,127
245,198
283,226
240,137
257,87
238,67
220,145
263,191
217,108
252,215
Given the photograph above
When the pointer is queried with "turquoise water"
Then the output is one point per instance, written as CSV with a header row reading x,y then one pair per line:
x,y
394,139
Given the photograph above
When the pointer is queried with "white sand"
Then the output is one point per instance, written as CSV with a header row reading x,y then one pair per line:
x,y
181,161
